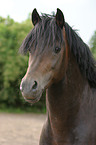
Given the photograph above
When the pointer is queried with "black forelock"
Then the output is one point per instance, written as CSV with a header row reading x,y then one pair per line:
x,y
44,34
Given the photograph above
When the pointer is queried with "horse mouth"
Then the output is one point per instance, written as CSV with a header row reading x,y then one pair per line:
x,y
34,98
32,101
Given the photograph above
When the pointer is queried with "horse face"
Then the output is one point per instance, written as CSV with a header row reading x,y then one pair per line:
x,y
45,67
43,71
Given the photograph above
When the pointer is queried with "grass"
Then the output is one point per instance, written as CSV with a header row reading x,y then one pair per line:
x,y
22,110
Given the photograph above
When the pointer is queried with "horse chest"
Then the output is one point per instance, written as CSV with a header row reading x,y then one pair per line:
x,y
83,134
85,130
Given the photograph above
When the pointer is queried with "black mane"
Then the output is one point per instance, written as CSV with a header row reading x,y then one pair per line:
x,y
83,55
50,32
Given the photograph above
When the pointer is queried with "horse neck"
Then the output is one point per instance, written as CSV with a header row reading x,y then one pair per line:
x,y
63,99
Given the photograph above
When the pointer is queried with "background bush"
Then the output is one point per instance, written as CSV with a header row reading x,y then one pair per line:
x,y
13,66
93,44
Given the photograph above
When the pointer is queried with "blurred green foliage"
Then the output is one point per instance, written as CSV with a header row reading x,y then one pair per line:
x,y
93,44
13,66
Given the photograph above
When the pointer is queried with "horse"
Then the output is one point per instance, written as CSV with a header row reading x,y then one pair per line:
x,y
63,65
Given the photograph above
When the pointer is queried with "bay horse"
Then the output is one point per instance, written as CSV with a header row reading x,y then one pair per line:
x,y
61,63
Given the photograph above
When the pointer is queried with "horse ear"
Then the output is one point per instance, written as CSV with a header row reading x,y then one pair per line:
x,y
35,17
60,21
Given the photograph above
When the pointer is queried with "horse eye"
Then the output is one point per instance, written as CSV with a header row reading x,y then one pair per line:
x,y
57,49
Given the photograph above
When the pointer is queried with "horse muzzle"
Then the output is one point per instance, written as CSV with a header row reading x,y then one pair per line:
x,y
31,90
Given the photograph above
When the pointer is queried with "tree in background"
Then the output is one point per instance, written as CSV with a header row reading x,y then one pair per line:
x,y
12,65
93,44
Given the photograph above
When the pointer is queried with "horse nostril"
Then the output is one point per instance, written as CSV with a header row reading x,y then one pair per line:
x,y
34,86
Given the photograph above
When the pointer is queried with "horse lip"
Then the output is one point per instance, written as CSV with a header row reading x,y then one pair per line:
x,y
32,100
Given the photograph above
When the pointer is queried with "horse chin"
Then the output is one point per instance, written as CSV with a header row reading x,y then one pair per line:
x,y
32,99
